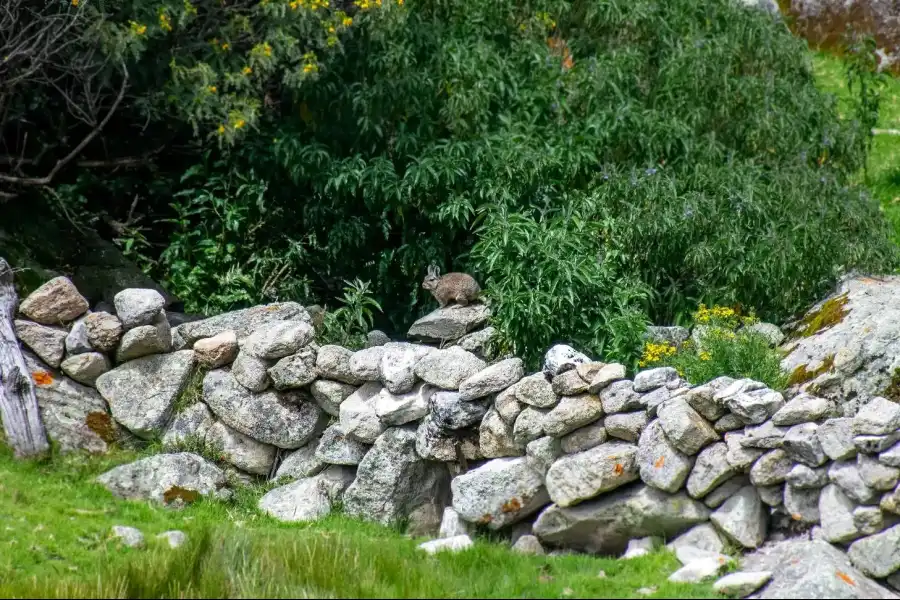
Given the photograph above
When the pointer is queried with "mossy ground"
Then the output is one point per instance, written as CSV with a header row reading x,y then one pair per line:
x,y
55,543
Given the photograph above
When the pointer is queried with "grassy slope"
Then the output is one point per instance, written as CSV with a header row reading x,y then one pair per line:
x,y
54,542
884,162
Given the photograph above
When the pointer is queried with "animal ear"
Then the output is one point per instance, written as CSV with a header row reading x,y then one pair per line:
x,y
434,270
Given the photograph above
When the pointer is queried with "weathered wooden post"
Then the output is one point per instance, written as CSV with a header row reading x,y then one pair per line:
x,y
18,405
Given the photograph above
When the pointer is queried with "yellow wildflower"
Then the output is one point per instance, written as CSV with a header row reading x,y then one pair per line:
x,y
267,49
348,21
226,46
331,30
137,28
310,68
221,129
75,3
705,355
246,70
213,89
399,2
239,123
164,21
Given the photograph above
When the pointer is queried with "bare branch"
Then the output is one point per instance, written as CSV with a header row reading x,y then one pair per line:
x,y
81,145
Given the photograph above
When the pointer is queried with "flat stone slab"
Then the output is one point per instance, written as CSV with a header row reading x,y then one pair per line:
x,y
450,323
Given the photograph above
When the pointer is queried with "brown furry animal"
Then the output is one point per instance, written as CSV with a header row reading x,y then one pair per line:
x,y
452,287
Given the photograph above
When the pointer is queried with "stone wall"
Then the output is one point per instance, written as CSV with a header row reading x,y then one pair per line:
x,y
434,434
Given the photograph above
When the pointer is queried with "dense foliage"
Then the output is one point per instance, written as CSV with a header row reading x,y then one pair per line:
x,y
596,164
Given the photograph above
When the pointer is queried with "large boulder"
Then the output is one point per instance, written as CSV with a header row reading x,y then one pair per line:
x,y
394,482
242,322
307,499
189,426
396,368
435,443
450,323
278,339
333,362
578,477
165,478
448,368
49,343
847,346
501,492
335,448
85,368
144,340
399,409
282,419
877,555
242,451
301,463
142,392
136,307
660,463
357,414
743,518
75,417
605,525
55,302
810,569
492,379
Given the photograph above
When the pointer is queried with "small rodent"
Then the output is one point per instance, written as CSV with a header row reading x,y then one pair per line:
x,y
460,288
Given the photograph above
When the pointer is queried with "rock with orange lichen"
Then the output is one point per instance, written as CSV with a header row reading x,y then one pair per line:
x,y
578,477
75,416
166,478
500,492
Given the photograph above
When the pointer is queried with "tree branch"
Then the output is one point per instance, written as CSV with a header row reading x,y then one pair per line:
x,y
75,151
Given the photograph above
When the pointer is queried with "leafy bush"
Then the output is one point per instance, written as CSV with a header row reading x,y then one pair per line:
x,y
595,163
722,344
348,324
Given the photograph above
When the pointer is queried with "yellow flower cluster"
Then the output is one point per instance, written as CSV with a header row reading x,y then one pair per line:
x,y
546,19
246,70
654,353
367,4
75,3
310,63
347,22
704,355
165,22
137,28
705,315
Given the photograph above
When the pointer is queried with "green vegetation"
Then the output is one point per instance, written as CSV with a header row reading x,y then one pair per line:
x,y
723,343
56,544
596,165
882,173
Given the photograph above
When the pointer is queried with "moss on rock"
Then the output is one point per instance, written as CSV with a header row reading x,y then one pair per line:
x,y
802,375
828,315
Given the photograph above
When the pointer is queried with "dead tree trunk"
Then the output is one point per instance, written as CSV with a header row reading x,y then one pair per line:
x,y
18,405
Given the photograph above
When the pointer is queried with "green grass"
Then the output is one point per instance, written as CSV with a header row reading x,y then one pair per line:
x,y
54,542
883,176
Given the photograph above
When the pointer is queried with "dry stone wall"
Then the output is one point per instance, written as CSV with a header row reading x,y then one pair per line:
x,y
576,456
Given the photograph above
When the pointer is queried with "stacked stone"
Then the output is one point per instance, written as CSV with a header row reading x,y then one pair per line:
x,y
58,332
574,456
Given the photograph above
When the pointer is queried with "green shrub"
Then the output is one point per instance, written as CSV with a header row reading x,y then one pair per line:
x,y
595,164
348,324
723,344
